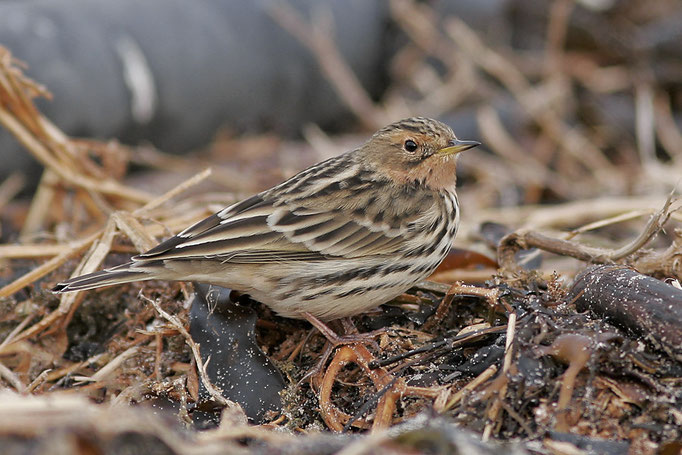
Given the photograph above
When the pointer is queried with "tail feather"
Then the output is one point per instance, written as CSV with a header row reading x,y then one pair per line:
x,y
124,273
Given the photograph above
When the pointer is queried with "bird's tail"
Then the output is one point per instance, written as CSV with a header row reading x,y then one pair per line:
x,y
124,273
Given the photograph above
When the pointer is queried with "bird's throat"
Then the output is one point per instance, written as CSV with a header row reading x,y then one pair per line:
x,y
436,173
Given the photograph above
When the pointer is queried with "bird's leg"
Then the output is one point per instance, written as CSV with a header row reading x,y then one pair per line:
x,y
351,337
348,326
324,329
315,372
351,334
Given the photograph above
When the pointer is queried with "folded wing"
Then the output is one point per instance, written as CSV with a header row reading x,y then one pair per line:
x,y
264,229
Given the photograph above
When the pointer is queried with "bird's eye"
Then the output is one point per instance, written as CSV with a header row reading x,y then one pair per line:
x,y
410,145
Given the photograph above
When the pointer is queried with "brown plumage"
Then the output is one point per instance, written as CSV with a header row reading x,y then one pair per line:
x,y
337,239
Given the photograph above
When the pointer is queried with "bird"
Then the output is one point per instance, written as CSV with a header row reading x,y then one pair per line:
x,y
335,240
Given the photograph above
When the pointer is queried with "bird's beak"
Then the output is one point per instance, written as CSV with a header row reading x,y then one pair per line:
x,y
457,146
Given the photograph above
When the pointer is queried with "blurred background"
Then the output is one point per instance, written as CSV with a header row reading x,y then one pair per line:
x,y
573,100
578,104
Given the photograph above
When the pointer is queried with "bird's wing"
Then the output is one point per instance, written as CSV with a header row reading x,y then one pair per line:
x,y
275,227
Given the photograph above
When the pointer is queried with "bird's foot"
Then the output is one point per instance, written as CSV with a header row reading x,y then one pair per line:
x,y
350,338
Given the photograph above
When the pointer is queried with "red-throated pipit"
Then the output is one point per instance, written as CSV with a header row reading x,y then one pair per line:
x,y
335,240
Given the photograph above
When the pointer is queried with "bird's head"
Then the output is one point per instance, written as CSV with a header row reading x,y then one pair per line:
x,y
415,151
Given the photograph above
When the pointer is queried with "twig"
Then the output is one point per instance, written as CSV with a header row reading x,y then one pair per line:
x,y
39,380
471,276
10,187
644,124
652,228
43,154
134,230
608,222
478,380
567,214
667,130
508,346
46,267
557,28
114,364
515,415
667,263
11,377
59,373
525,239
40,205
9,338
184,186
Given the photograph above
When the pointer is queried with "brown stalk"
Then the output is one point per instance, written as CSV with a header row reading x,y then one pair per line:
x,y
471,386
667,130
46,267
525,239
10,187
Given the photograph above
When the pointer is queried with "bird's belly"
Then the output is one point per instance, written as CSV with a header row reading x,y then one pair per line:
x,y
330,307
327,289
336,289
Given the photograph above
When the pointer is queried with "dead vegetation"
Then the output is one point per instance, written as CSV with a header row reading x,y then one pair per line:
x,y
526,358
